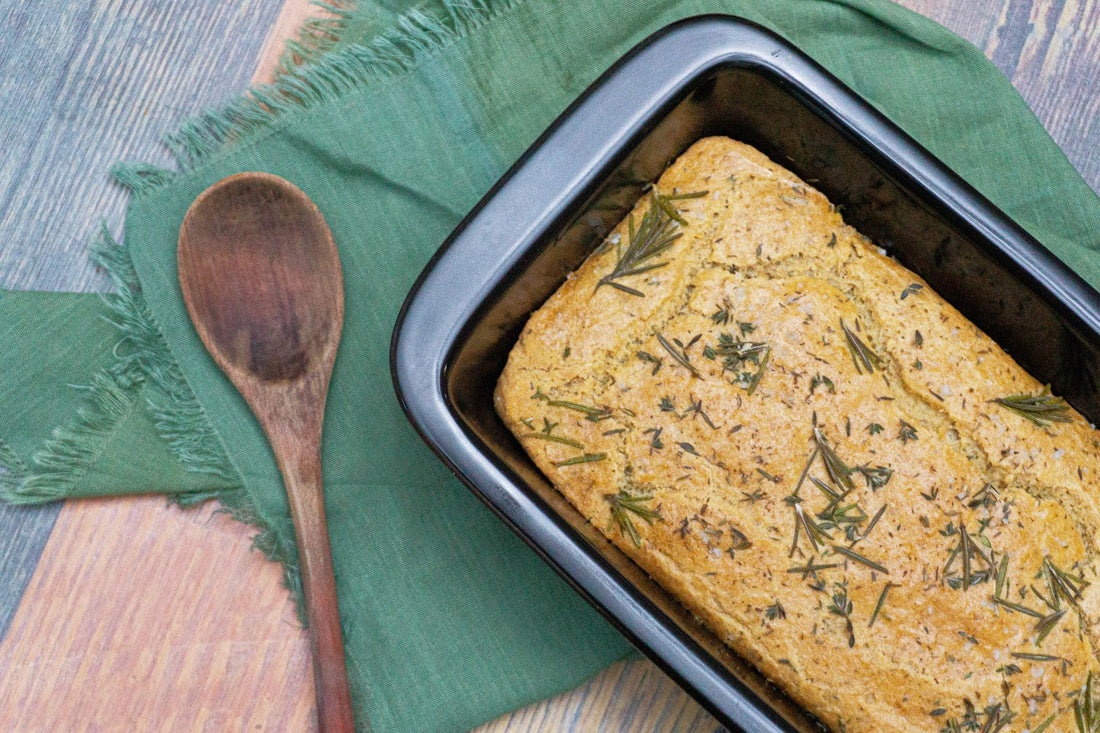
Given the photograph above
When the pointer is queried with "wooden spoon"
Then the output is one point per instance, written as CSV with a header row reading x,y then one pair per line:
x,y
262,281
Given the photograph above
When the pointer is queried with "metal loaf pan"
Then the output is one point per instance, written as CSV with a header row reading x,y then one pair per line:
x,y
703,76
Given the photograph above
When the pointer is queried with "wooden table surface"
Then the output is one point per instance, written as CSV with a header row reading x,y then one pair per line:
x,y
131,614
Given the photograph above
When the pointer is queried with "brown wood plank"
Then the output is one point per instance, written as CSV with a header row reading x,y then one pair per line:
x,y
143,616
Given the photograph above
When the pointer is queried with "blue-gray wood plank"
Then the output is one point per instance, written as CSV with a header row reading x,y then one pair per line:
x,y
83,84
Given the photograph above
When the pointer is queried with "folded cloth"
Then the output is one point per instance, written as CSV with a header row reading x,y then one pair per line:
x,y
449,620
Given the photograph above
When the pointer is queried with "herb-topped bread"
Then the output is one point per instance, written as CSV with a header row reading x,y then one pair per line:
x,y
845,479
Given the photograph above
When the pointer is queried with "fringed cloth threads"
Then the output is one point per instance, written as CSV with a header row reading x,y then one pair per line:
x,y
145,367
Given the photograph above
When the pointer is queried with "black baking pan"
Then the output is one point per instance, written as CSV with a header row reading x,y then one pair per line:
x,y
710,75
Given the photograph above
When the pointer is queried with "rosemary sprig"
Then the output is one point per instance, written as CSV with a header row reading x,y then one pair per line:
x,y
1062,584
586,458
874,521
592,412
738,354
878,605
840,474
670,211
660,227
680,356
861,354
814,532
968,551
811,567
586,409
1041,409
1046,624
860,559
906,432
1086,709
1035,657
555,439
623,506
836,514
1018,608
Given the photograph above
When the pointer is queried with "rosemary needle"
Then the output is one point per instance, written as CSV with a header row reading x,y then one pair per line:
x,y
586,458
659,229
1041,409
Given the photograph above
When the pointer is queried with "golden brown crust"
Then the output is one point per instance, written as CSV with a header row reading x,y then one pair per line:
x,y
767,250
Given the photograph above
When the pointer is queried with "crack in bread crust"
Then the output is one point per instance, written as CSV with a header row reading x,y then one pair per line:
x,y
718,462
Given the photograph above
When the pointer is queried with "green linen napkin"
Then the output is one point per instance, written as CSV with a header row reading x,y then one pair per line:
x,y
449,620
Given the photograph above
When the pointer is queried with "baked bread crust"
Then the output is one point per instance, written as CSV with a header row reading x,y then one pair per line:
x,y
754,390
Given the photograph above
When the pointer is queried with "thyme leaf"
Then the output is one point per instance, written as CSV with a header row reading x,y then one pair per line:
x,y
722,315
876,477
819,380
841,606
911,289
657,363
738,354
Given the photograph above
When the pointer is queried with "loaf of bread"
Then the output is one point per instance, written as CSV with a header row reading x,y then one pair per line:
x,y
840,475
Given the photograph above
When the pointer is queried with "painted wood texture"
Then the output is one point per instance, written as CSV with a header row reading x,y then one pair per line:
x,y
1050,51
84,84
140,616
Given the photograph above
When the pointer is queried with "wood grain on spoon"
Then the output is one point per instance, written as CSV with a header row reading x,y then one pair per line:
x,y
261,278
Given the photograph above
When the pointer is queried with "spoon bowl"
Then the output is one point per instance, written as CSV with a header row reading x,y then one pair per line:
x,y
260,273
262,282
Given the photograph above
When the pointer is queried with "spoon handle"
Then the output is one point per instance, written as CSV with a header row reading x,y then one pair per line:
x,y
301,469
